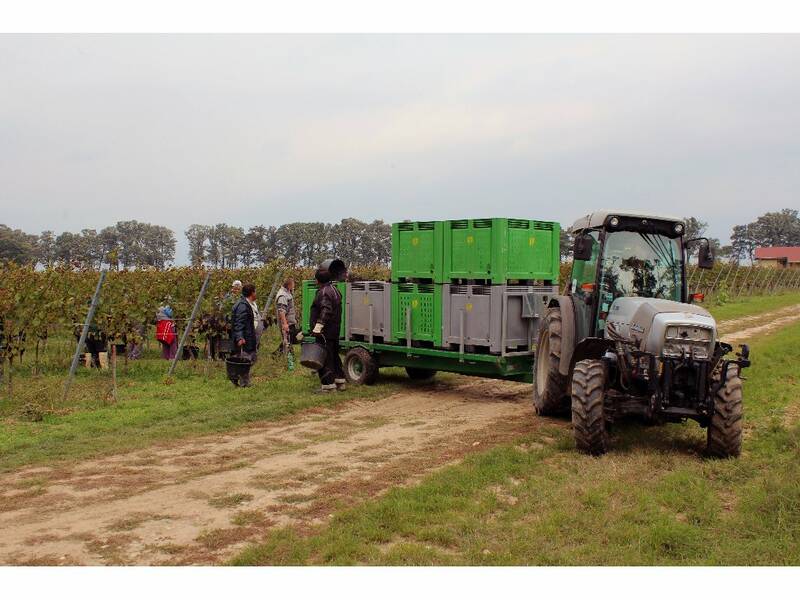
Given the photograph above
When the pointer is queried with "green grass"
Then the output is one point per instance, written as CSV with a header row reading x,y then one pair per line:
x,y
653,500
36,428
753,305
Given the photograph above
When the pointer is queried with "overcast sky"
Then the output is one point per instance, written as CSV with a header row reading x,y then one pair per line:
x,y
269,129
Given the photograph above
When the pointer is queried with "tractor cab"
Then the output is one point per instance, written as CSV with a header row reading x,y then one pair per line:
x,y
623,254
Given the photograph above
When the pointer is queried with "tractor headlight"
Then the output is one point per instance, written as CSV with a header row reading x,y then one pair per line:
x,y
679,228
613,221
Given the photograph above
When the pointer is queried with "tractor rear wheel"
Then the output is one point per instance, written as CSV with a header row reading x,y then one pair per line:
x,y
725,430
588,415
360,367
418,374
549,386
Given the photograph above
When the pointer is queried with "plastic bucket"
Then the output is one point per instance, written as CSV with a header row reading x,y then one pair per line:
x,y
237,366
312,355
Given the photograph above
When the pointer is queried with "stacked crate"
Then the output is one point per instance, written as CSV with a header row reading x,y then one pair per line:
x,y
417,275
463,282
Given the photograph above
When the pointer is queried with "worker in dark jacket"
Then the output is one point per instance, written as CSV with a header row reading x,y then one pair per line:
x,y
326,315
244,319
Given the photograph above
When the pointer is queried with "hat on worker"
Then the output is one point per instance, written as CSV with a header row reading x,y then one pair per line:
x,y
236,283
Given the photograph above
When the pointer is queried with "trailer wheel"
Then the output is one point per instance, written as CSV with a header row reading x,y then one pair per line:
x,y
724,437
418,374
588,417
360,367
549,386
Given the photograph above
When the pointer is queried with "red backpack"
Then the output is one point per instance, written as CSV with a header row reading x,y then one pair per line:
x,y
165,331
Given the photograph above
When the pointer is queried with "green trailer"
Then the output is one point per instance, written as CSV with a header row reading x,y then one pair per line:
x,y
466,296
415,337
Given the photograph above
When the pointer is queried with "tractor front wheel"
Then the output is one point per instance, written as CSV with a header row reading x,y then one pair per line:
x,y
724,438
588,415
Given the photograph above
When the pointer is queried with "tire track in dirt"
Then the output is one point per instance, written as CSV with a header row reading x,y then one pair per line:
x,y
198,501
741,324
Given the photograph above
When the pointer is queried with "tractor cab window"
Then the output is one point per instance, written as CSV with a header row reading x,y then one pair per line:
x,y
585,271
639,264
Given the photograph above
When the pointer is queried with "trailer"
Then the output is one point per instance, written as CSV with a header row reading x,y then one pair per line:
x,y
466,296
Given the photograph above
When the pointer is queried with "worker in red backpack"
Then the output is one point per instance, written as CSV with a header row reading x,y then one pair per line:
x,y
166,334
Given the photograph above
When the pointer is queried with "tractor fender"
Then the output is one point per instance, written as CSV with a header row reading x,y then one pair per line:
x,y
567,306
591,347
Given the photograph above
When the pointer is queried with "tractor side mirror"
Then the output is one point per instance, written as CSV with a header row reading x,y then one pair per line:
x,y
582,250
705,257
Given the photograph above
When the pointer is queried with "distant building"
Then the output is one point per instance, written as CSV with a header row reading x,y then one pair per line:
x,y
779,257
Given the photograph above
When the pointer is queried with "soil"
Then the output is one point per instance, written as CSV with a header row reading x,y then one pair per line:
x,y
199,501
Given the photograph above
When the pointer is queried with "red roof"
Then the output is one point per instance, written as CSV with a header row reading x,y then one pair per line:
x,y
792,253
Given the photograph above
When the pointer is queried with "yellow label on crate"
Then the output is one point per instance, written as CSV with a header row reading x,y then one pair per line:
x,y
531,241
415,241
365,300
468,307
470,240
414,303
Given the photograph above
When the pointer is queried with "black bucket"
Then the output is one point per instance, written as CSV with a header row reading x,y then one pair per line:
x,y
237,366
312,355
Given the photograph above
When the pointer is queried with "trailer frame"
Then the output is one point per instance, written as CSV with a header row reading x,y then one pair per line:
x,y
493,366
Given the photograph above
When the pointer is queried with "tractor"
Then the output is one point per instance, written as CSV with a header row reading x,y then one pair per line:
x,y
626,338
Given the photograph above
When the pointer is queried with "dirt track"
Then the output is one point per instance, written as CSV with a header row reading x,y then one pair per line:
x,y
197,501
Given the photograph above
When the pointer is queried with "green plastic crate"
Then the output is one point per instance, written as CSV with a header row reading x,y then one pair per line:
x,y
425,302
417,250
501,250
308,291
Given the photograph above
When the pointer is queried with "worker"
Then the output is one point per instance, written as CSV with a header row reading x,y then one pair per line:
x,y
326,315
244,320
287,316
220,322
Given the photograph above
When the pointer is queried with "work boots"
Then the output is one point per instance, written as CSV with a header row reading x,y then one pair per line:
x,y
341,385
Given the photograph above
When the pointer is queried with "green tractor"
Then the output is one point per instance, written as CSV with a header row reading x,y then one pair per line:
x,y
626,340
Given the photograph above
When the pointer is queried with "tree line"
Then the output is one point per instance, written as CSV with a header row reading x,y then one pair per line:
x,y
131,244
304,244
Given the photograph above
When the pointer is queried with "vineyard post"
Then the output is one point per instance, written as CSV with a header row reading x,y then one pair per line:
x,y
728,276
114,371
773,285
732,287
189,323
272,291
714,285
744,283
754,285
84,333
795,280
790,282
768,279
700,281
776,286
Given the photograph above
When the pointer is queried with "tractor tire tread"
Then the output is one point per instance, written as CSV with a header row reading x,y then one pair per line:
x,y
588,416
